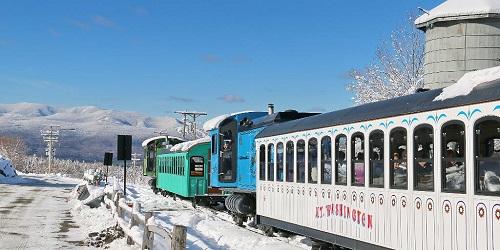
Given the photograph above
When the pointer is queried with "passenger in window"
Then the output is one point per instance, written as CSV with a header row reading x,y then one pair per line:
x,y
490,166
342,168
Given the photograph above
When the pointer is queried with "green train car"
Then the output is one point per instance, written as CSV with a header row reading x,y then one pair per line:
x,y
152,147
184,170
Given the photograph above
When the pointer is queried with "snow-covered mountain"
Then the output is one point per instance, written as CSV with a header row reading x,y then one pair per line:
x,y
95,128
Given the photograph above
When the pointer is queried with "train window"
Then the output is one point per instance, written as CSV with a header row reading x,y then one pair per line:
x,y
301,164
487,155
289,161
326,160
279,161
358,159
214,144
262,163
398,171
376,159
196,166
453,157
423,154
270,162
341,160
312,160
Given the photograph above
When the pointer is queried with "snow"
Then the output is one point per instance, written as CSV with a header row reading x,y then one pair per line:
x,y
185,146
145,143
6,168
460,9
468,82
214,122
206,228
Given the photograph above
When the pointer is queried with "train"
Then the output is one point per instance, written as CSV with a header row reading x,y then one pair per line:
x,y
413,172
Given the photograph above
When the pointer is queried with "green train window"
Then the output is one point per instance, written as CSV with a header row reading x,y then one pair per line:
x,y
196,166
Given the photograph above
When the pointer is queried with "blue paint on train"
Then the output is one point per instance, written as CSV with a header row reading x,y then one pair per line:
x,y
224,169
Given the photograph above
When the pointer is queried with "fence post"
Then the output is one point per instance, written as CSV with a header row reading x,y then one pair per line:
x,y
117,203
179,238
145,237
133,221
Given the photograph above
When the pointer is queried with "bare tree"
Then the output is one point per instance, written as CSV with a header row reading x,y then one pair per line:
x,y
13,148
397,69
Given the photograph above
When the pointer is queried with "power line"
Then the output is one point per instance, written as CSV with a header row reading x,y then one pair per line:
x,y
193,115
51,136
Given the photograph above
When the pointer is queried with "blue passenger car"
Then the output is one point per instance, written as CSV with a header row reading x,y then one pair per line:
x,y
233,157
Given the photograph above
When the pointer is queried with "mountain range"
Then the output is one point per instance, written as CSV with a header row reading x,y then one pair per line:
x,y
86,132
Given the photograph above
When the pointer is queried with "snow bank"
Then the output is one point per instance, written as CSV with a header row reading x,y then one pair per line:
x,y
6,168
461,8
185,146
206,228
468,82
214,122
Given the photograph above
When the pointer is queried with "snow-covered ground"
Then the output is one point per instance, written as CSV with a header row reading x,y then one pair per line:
x,y
206,228
36,212
42,212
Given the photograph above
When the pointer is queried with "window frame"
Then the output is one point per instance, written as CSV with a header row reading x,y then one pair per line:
x,y
289,175
270,160
297,173
476,157
353,161
323,162
278,162
309,160
391,161
337,151
442,158
431,160
371,161
262,164
191,166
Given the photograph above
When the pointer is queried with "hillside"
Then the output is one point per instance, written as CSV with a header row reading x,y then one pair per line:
x,y
95,128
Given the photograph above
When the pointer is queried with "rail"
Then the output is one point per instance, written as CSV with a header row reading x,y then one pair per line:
x,y
132,222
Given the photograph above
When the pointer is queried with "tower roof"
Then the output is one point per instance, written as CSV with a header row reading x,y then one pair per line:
x,y
459,10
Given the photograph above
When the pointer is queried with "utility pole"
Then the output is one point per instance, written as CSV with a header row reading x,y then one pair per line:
x,y
135,158
51,136
193,115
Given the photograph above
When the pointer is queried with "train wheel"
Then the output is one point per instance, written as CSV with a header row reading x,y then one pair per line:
x,y
164,193
238,220
155,190
193,202
320,245
267,230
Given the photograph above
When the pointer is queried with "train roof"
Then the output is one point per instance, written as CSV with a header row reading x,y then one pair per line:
x,y
147,141
277,117
186,146
415,103
216,121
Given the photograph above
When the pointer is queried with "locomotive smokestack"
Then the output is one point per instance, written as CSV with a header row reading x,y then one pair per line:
x,y
270,108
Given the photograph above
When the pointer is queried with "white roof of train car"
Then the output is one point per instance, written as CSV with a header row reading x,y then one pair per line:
x,y
185,146
214,122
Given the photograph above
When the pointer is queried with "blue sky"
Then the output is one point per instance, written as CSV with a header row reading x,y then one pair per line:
x,y
156,57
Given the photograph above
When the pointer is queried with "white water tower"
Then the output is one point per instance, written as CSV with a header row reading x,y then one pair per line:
x,y
461,36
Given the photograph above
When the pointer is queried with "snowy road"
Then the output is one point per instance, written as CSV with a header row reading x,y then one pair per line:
x,y
35,214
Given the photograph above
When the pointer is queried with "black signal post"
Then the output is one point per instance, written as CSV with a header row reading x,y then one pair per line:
x,y
124,152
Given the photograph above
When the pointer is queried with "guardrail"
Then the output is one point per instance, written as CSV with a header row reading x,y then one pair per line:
x,y
133,222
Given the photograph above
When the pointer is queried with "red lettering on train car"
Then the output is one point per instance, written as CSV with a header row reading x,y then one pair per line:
x,y
359,213
370,223
354,215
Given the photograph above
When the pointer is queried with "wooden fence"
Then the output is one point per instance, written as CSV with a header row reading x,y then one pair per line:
x,y
130,217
